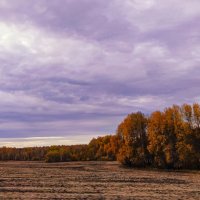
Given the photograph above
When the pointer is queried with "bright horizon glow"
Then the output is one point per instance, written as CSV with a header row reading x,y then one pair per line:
x,y
44,141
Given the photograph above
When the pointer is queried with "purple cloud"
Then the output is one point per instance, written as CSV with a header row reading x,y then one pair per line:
x,y
71,68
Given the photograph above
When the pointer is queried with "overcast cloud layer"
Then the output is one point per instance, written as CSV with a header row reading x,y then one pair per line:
x,y
71,68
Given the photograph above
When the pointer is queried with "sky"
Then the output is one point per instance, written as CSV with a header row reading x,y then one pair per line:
x,y
71,70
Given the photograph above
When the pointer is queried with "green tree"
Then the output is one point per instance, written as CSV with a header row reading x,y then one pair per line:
x,y
53,156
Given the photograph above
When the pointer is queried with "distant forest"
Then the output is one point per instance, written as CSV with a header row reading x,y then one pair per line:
x,y
165,139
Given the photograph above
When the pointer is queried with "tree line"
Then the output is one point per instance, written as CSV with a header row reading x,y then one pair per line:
x,y
164,139
101,148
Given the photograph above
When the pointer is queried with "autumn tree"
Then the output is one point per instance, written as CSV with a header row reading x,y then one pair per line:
x,y
188,144
133,140
157,138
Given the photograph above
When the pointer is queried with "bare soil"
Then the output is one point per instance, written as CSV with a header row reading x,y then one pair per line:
x,y
94,180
